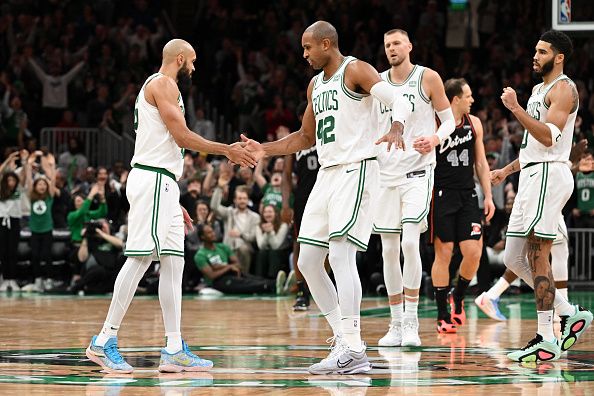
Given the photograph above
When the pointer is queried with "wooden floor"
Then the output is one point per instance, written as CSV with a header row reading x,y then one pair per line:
x,y
260,346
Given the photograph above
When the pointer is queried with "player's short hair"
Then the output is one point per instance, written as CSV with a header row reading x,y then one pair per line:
x,y
321,30
392,31
560,43
453,87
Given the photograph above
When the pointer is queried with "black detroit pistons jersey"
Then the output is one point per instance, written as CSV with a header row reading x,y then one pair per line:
x,y
306,168
455,158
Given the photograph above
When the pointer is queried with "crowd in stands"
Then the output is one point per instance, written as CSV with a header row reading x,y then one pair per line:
x,y
80,64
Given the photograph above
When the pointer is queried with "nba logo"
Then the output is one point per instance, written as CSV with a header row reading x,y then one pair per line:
x,y
564,11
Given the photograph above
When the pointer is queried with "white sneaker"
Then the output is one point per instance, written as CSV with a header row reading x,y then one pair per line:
x,y
393,337
342,360
410,332
48,284
14,285
291,280
281,277
4,285
31,288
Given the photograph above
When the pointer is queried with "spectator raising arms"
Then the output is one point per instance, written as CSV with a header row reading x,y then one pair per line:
x,y
11,188
41,193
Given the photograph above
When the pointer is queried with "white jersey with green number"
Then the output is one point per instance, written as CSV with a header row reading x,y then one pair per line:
x,y
531,149
154,145
344,133
395,164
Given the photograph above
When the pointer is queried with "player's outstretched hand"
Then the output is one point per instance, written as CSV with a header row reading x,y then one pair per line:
x,y
239,154
509,99
256,149
497,176
188,226
394,137
425,144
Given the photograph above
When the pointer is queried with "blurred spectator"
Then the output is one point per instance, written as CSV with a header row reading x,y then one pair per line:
x,y
72,161
41,192
100,256
55,89
82,212
194,192
202,126
271,192
584,179
240,223
271,237
277,116
222,271
11,188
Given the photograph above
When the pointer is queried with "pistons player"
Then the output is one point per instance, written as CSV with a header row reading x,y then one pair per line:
x,y
455,214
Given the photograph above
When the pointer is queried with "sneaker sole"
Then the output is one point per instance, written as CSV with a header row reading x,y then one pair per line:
x,y
361,368
411,343
95,359
172,368
299,308
534,357
389,344
574,335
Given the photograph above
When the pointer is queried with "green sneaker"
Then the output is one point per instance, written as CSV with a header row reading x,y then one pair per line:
x,y
573,326
537,350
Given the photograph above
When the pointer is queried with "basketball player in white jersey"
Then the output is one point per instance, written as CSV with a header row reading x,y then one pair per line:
x,y
337,219
406,183
156,220
545,185
488,301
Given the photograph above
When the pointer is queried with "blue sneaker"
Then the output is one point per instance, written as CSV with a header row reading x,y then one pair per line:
x,y
489,307
183,360
108,356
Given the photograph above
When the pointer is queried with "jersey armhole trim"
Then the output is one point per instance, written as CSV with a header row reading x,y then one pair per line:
x,y
420,86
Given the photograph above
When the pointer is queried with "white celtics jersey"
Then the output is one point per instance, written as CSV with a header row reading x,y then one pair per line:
x,y
396,164
344,133
154,145
531,149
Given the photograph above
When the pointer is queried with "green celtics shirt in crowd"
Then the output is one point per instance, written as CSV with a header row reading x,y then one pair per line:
x,y
272,197
41,216
585,191
205,257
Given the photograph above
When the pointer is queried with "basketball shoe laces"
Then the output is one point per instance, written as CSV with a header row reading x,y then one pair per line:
x,y
337,346
113,354
533,342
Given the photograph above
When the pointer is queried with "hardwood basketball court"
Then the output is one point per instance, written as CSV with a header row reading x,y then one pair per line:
x,y
260,346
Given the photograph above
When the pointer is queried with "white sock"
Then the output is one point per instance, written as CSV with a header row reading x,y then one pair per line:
x,y
563,292
334,319
562,306
498,288
545,325
351,327
174,343
107,332
396,312
411,305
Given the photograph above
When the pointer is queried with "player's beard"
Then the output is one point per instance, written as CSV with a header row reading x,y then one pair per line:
x,y
545,68
184,76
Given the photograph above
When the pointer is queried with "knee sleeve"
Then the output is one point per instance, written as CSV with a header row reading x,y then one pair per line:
x,y
515,259
392,269
343,256
125,287
170,293
311,263
560,255
413,267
